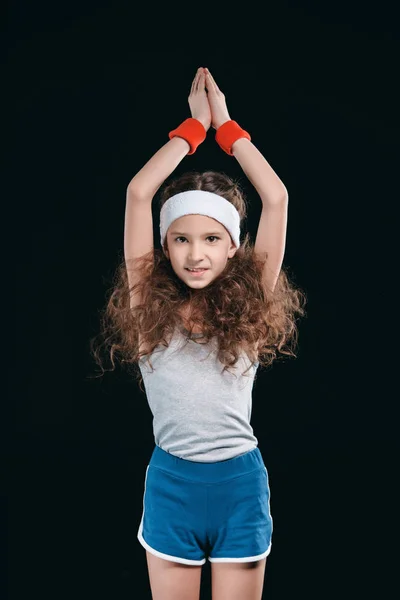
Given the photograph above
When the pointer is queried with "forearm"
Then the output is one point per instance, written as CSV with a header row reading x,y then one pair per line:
x,y
150,177
267,183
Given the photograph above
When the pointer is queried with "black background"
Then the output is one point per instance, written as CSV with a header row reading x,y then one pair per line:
x,y
95,90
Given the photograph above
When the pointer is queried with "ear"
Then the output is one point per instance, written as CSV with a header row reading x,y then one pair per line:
x,y
232,250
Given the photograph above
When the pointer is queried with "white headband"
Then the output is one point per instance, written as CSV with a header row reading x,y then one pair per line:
x,y
200,202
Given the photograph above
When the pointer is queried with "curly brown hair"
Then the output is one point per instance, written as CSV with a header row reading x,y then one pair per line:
x,y
236,307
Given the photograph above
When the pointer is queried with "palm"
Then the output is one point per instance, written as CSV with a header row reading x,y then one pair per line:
x,y
214,110
198,102
217,102
205,106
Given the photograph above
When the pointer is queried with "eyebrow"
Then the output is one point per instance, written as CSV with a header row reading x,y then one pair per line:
x,y
186,234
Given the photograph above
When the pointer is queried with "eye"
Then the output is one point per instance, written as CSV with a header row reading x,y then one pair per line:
x,y
210,236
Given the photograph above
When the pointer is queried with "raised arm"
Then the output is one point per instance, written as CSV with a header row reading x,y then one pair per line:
x,y
146,182
271,233
138,229
138,232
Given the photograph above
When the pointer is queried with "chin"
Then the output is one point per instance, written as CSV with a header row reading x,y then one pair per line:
x,y
198,284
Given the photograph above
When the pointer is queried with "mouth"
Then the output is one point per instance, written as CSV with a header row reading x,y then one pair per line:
x,y
196,273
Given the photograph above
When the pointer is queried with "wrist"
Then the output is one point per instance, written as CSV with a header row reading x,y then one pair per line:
x,y
218,125
204,123
191,130
228,133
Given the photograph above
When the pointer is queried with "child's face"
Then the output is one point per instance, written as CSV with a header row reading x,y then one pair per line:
x,y
191,245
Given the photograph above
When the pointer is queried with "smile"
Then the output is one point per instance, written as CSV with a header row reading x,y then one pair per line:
x,y
197,272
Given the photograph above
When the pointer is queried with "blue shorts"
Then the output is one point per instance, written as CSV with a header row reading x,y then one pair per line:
x,y
193,511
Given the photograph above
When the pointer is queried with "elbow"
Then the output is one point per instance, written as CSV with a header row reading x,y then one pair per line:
x,y
135,192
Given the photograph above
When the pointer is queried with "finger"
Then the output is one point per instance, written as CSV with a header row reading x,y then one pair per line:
x,y
193,83
196,80
213,81
200,82
210,82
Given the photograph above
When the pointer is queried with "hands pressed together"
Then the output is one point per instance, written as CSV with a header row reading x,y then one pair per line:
x,y
207,107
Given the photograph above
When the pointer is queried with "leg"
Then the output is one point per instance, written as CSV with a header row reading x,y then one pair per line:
x,y
238,581
173,581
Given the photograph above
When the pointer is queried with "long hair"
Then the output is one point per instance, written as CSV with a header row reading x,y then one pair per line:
x,y
236,307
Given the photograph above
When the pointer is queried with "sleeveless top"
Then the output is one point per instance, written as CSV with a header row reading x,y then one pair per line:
x,y
199,414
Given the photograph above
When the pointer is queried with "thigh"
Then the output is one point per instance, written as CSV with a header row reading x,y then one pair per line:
x,y
171,580
241,522
236,581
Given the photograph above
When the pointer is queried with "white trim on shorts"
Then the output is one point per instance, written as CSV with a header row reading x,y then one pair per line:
x,y
246,559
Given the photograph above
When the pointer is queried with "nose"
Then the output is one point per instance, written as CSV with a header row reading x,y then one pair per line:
x,y
195,254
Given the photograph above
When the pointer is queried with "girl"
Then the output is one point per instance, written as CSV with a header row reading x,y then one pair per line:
x,y
179,314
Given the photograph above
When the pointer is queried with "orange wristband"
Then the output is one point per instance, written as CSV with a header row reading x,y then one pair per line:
x,y
228,133
192,131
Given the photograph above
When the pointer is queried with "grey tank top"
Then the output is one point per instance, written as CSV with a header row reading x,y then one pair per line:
x,y
199,414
